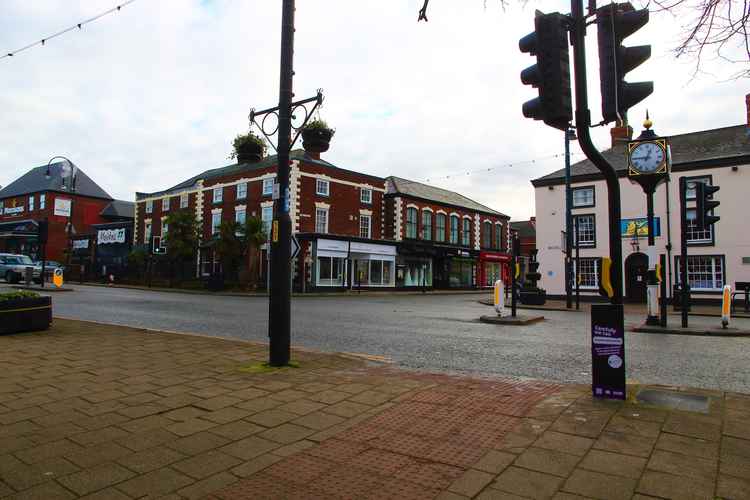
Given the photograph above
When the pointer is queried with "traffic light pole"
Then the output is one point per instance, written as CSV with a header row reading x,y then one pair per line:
x,y
684,285
583,122
568,226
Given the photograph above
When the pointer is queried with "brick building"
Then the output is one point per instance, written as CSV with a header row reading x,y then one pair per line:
x,y
41,194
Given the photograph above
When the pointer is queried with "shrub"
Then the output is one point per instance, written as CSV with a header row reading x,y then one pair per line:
x,y
247,141
21,294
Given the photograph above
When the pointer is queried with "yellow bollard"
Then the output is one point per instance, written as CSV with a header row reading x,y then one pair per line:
x,y
726,306
500,298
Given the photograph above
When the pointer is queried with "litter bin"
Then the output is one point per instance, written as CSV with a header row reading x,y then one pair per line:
x,y
29,275
677,298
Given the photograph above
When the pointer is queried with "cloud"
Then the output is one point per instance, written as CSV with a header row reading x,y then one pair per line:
x,y
155,93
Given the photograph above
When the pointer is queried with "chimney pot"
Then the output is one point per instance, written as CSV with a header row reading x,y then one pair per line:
x,y
621,133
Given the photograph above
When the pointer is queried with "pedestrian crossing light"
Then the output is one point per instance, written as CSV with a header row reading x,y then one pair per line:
x,y
551,74
616,22
705,205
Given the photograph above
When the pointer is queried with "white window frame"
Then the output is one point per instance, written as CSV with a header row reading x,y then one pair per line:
x,y
322,187
583,189
587,261
42,201
31,203
266,217
268,186
149,206
240,223
690,188
218,195
215,216
365,196
164,229
717,271
693,235
165,204
365,230
321,215
147,227
242,191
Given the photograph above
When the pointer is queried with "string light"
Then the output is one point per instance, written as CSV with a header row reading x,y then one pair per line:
x,y
75,26
514,164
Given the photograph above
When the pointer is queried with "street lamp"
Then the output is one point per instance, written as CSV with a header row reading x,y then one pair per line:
x,y
69,175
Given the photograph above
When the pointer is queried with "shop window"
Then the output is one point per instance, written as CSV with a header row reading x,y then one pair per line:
x,y
454,229
31,203
586,230
492,273
365,195
242,190
498,236
184,199
583,197
218,195
587,272
149,206
461,273
440,227
695,235
331,271
411,222
705,272
322,187
364,226
415,272
215,223
373,272
42,202
487,235
266,217
466,233
321,220
165,204
426,225
268,186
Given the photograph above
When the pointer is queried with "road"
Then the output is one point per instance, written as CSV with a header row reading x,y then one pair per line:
x,y
432,332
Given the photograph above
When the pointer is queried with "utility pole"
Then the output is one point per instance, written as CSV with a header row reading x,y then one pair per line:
x,y
569,135
684,285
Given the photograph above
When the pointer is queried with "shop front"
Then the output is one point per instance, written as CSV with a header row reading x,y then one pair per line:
x,y
113,244
20,237
455,268
425,265
492,267
414,265
351,264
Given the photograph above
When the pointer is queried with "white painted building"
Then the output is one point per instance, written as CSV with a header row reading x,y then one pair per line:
x,y
719,256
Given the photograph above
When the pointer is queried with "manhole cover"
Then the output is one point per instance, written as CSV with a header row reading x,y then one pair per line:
x,y
674,400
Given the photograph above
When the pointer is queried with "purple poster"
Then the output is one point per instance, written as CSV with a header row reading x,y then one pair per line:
x,y
607,351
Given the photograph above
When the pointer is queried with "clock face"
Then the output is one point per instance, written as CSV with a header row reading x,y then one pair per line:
x,y
647,157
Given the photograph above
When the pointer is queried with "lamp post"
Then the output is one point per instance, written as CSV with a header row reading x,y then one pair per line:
x,y
69,174
570,135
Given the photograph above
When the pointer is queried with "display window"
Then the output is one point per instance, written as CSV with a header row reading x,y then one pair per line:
x,y
331,271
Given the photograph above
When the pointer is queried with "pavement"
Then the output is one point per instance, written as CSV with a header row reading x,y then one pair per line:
x,y
109,412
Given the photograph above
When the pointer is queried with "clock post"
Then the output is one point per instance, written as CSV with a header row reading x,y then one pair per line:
x,y
648,166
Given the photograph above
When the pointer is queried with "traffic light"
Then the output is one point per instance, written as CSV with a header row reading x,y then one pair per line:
x,y
704,205
551,74
616,22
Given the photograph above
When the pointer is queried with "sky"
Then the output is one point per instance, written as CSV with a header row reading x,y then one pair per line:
x,y
153,94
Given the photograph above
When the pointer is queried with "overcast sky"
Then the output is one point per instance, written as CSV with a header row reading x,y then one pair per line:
x,y
147,97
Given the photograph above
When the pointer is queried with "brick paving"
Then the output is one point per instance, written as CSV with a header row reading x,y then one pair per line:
x,y
104,412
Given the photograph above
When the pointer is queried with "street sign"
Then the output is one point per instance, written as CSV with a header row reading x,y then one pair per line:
x,y
295,248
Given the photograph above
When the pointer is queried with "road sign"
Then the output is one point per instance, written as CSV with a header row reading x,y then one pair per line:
x,y
57,278
295,248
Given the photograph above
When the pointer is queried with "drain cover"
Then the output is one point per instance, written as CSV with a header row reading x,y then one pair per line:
x,y
674,400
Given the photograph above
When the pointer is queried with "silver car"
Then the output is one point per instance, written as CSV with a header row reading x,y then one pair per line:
x,y
13,267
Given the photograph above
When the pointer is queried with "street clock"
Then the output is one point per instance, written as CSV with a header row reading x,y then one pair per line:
x,y
648,158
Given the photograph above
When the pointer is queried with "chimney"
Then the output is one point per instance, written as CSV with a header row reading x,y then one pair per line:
x,y
621,133
747,107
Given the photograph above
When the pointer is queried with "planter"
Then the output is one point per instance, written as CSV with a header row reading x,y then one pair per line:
x,y
533,297
316,140
249,152
25,315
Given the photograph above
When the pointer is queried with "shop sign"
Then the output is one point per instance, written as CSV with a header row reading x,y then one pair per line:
x,y
497,257
109,236
607,351
62,207
372,248
13,210
333,245
80,244
639,227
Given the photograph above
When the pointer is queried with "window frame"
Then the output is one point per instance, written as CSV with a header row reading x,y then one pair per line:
x,y
690,228
149,209
214,226
267,186
322,182
721,258
31,203
440,232
466,233
497,241
692,179
266,222
220,198
362,199
575,236
241,194
165,204
368,218
455,237
583,188
42,201
319,211
411,228
597,270
184,200
425,231
487,235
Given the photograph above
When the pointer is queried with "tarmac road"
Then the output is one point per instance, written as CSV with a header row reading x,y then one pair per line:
x,y
432,332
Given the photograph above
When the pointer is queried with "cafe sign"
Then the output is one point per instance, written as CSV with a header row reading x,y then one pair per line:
x,y
109,236
13,210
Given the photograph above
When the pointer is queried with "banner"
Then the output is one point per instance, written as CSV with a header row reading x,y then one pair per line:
x,y
62,207
109,236
629,227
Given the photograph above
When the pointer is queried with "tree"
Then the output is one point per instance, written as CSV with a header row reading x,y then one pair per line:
x,y
229,247
718,26
182,238
254,235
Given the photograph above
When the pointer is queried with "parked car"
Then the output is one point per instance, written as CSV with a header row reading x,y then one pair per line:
x,y
49,267
13,267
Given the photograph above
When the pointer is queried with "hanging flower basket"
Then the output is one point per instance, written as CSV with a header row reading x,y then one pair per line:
x,y
248,148
316,136
24,312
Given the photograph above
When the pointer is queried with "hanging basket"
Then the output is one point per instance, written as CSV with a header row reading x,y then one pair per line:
x,y
316,140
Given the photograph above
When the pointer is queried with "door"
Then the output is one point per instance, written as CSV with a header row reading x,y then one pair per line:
x,y
636,269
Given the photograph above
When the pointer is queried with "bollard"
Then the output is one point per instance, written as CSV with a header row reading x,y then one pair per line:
x,y
500,299
726,306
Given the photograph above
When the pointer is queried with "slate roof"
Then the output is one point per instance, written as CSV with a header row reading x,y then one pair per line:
x,y
268,161
119,209
406,187
35,181
524,228
692,148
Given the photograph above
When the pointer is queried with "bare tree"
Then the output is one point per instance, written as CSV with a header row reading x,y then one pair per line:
x,y
712,29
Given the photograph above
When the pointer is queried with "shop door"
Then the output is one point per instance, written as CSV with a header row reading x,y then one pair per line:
x,y
636,269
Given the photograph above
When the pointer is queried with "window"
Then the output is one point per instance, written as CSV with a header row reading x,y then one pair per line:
x,y
321,187
239,216
498,236
695,235
184,200
487,235
330,271
42,202
411,222
466,233
218,195
147,233
705,272
583,197
149,206
165,205
242,190
164,231
587,230
365,195
373,272
454,229
266,216
215,223
426,225
364,226
690,191
588,272
440,227
321,220
268,186
31,203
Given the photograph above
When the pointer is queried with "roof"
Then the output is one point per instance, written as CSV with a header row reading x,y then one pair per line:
x,y
398,185
120,209
35,180
524,228
268,161
692,148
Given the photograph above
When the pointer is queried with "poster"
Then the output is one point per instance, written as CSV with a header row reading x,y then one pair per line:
x,y
608,351
62,207
639,226
109,236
